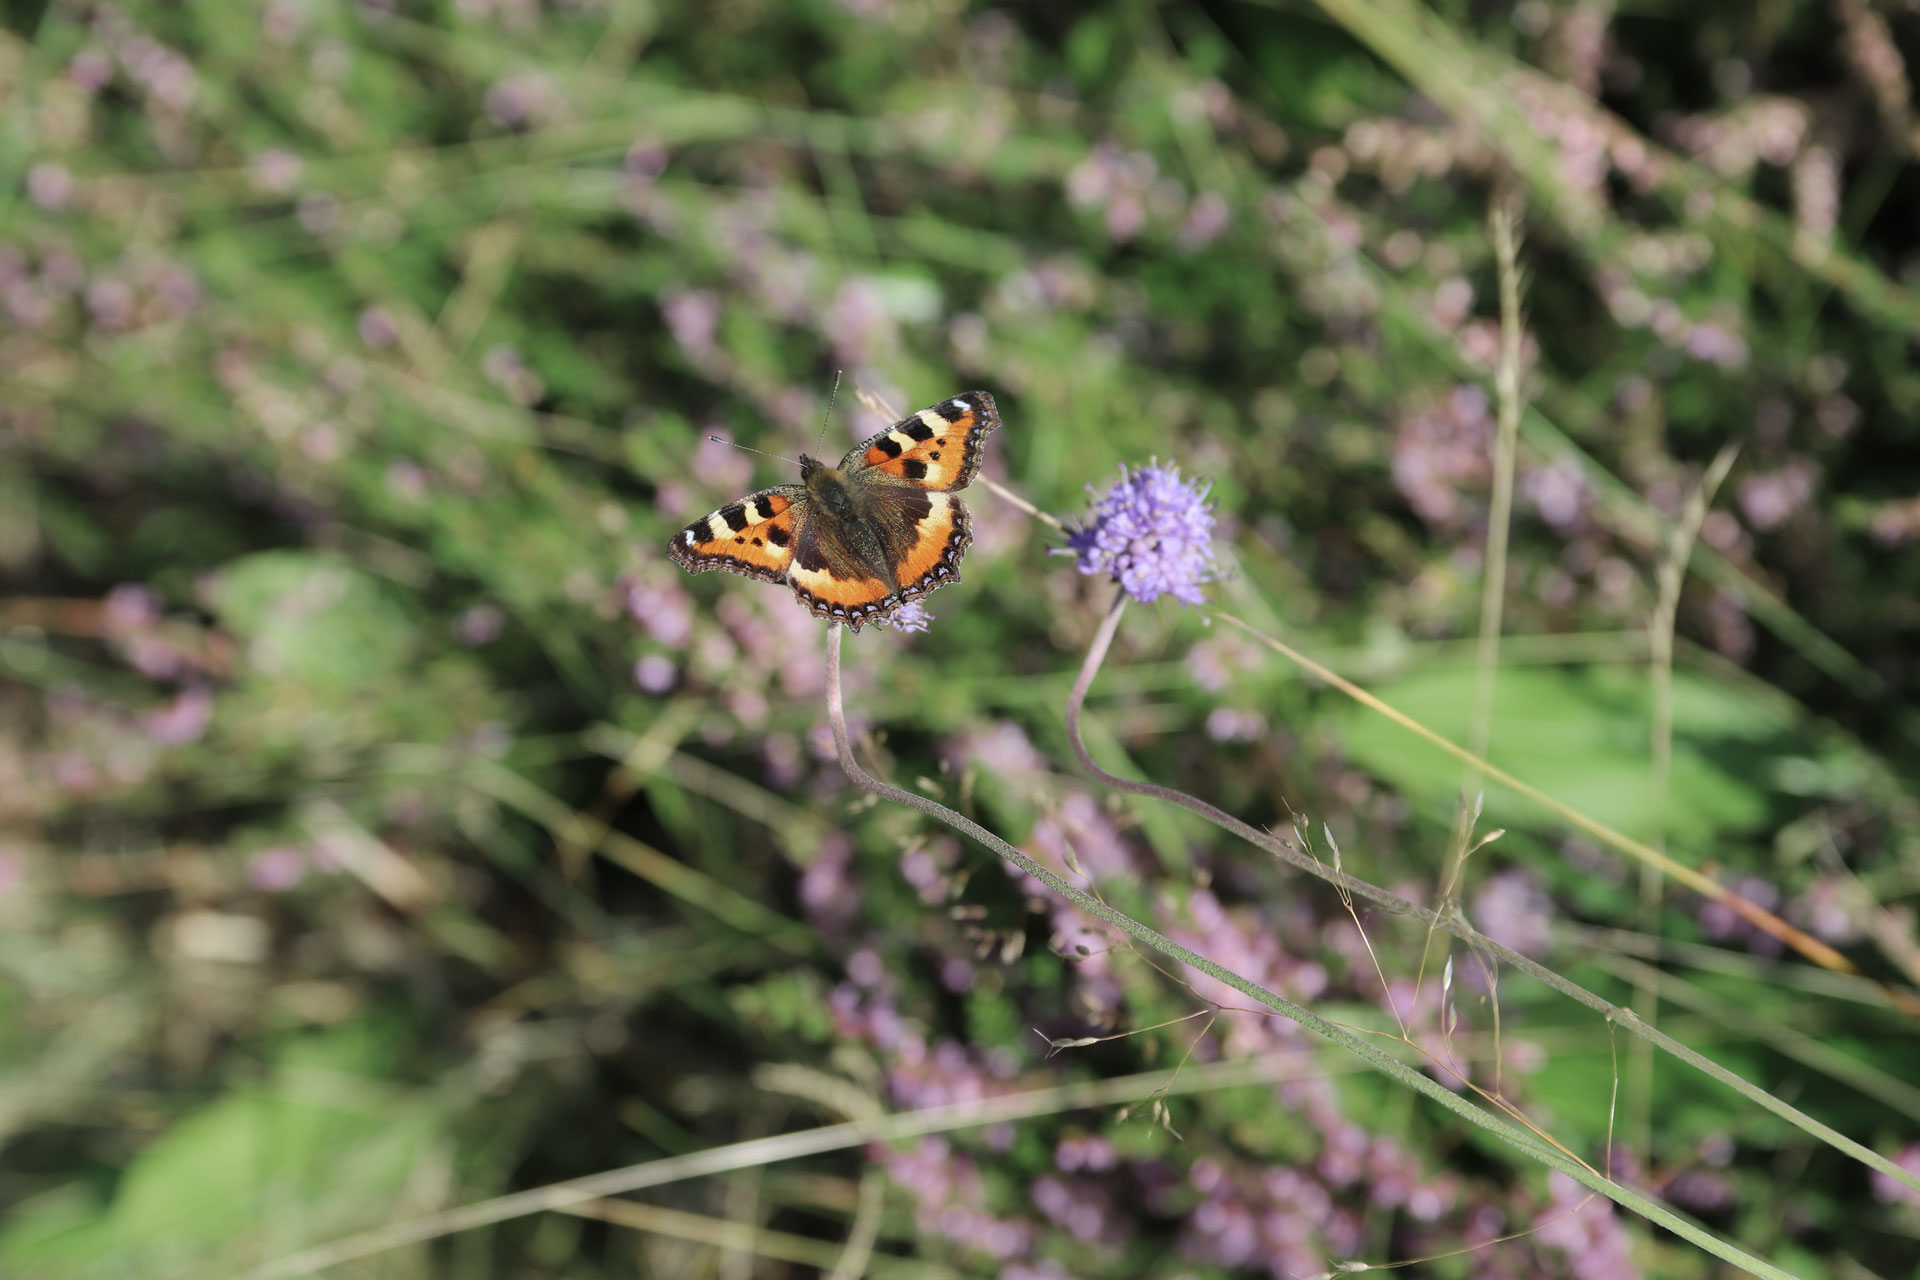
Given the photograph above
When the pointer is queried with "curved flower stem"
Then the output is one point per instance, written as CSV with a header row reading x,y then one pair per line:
x,y
1514,1135
1449,922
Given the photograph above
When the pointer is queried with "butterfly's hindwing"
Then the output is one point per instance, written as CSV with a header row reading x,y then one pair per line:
x,y
938,533
831,577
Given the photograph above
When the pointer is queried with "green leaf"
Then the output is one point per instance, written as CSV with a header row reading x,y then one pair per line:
x,y
1583,736
309,1154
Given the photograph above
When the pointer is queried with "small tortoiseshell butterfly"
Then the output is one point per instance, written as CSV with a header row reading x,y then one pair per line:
x,y
858,541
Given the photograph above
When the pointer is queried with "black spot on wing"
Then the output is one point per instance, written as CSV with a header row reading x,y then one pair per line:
x,y
889,446
735,516
918,430
778,536
953,410
914,469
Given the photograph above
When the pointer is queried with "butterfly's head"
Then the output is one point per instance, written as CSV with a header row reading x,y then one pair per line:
x,y
827,485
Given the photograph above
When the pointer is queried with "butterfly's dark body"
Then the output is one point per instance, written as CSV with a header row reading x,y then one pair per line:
x,y
857,541
858,538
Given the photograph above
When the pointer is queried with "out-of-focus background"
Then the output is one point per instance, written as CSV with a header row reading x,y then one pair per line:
x,y
386,823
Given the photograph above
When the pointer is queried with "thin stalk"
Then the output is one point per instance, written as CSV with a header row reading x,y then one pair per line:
x,y
1514,1135
1671,576
1493,583
1493,579
1449,923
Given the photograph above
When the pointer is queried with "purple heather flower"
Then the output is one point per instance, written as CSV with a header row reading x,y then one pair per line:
x,y
1512,909
1153,532
377,327
692,317
1826,909
1768,500
828,890
182,720
130,607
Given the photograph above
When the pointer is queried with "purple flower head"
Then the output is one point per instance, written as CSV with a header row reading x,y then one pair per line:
x,y
1153,532
911,616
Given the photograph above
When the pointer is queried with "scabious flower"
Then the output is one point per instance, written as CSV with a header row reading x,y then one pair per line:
x,y
1153,532
911,616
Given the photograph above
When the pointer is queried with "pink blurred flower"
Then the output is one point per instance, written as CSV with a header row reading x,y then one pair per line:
x,y
654,674
1769,499
377,328
1512,909
184,719
49,185
277,869
276,170
1440,454
1208,216
692,317
1888,1189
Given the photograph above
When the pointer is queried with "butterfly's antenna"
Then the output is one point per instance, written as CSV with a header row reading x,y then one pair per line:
x,y
828,416
750,449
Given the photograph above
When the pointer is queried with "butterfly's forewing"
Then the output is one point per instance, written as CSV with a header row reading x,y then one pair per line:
x,y
755,536
939,447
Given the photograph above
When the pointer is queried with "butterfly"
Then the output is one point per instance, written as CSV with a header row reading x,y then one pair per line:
x,y
858,541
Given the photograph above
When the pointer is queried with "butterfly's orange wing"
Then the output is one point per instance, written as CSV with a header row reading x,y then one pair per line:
x,y
937,448
754,536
